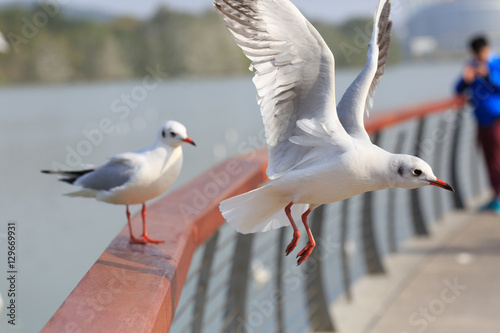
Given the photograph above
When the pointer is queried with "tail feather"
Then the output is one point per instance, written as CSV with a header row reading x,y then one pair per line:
x,y
86,193
259,210
69,176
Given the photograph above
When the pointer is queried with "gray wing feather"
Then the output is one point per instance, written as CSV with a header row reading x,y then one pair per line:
x,y
383,42
358,98
117,172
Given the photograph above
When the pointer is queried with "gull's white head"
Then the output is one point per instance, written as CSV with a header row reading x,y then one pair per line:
x,y
412,172
173,134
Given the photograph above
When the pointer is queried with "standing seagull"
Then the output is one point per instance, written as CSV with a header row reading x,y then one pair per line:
x,y
135,177
318,153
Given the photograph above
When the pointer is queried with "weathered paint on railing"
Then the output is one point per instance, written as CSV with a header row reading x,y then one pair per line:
x,y
135,288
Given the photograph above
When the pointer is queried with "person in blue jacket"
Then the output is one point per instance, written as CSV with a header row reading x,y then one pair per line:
x,y
480,83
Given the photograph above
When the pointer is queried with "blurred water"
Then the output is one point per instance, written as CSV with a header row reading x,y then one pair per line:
x,y
59,238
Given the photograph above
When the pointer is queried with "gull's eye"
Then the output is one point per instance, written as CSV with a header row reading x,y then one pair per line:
x,y
172,134
417,172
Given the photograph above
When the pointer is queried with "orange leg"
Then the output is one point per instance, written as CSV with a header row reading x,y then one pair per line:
x,y
296,232
307,250
145,237
133,240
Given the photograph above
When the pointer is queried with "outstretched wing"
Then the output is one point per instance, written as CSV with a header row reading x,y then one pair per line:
x,y
359,96
294,73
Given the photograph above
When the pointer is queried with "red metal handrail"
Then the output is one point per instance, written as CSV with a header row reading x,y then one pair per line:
x,y
135,288
390,118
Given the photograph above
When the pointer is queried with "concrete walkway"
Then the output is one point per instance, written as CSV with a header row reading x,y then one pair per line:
x,y
449,282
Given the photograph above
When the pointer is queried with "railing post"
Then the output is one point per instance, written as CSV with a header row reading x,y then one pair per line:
x,y
238,282
475,170
317,303
280,262
346,270
391,198
372,257
438,166
204,277
475,165
457,198
419,225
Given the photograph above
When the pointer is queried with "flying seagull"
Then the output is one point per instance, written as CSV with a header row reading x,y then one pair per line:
x,y
134,177
318,152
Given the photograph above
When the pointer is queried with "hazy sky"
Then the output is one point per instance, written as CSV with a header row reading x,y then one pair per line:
x,y
330,10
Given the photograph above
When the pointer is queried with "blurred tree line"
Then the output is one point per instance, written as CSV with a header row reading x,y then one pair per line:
x,y
47,46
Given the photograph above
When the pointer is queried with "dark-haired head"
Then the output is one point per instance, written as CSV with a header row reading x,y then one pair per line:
x,y
479,47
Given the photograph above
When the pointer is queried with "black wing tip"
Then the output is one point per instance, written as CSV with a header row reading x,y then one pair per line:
x,y
72,174
65,180
51,172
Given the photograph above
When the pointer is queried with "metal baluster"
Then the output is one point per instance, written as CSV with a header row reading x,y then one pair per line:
x,y
419,225
475,164
346,275
457,197
372,257
480,178
391,198
237,290
438,167
201,290
280,262
318,305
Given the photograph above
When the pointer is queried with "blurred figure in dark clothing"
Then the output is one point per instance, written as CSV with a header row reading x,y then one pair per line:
x,y
480,83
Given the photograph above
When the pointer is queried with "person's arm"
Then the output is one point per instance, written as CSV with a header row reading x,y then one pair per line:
x,y
494,75
468,76
461,86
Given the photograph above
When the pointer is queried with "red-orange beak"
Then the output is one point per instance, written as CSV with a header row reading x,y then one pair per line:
x,y
440,183
188,140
